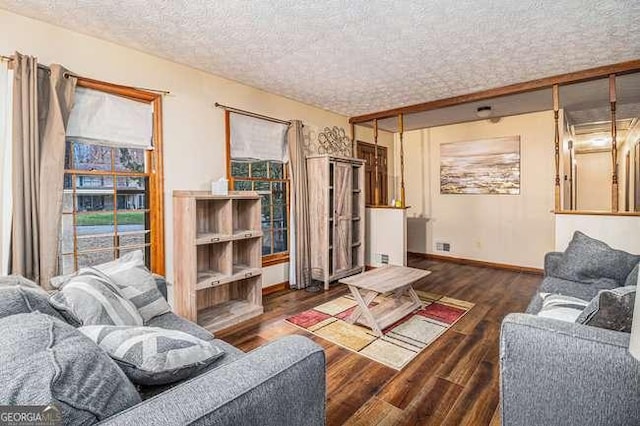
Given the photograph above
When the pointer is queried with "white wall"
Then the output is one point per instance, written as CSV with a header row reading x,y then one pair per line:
x,y
386,233
593,181
620,232
510,229
194,151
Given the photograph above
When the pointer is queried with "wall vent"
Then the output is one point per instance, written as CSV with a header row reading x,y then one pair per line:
x,y
384,259
442,246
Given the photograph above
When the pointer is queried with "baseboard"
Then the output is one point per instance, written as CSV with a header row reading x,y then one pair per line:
x,y
463,261
275,288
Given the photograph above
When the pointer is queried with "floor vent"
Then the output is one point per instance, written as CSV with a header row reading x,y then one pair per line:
x,y
440,246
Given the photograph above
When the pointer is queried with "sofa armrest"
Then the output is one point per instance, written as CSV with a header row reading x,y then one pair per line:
x,y
551,262
281,383
561,373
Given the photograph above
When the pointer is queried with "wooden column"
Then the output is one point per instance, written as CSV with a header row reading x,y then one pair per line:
x,y
614,144
354,148
556,117
401,130
376,179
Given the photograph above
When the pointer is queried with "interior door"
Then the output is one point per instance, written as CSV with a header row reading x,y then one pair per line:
x,y
342,191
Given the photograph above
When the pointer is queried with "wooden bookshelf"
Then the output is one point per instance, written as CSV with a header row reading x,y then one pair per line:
x,y
217,257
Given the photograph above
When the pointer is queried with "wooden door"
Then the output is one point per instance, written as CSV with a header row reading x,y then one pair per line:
x,y
366,151
342,216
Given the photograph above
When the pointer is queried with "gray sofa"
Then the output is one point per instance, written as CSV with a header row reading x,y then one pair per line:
x,y
561,373
280,383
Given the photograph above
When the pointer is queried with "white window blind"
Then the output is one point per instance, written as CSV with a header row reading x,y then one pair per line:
x,y
110,119
6,102
256,139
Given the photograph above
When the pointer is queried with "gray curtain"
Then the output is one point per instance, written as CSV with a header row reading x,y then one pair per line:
x,y
42,100
300,200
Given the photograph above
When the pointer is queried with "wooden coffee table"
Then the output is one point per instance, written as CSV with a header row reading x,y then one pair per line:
x,y
387,279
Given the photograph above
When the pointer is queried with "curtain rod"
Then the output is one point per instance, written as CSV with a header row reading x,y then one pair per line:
x,y
252,114
67,75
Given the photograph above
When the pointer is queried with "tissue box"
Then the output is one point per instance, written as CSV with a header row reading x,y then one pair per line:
x,y
220,187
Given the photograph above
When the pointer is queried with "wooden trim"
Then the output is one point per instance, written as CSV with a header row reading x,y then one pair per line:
x,y
275,288
227,142
472,262
388,207
275,259
596,213
556,143
511,89
156,164
370,267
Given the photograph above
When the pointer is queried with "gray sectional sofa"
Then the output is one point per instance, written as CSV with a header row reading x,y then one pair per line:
x,y
561,373
280,383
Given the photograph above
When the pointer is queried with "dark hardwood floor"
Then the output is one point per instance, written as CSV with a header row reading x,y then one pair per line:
x,y
454,381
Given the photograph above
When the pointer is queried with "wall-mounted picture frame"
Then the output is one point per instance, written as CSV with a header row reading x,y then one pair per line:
x,y
481,166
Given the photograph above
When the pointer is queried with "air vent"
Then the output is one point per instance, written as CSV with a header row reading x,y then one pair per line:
x,y
384,259
442,246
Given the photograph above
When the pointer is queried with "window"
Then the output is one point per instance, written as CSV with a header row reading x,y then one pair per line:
x,y
112,196
256,163
270,180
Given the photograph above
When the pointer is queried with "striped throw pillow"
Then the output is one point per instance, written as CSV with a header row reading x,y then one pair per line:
x,y
560,307
134,281
137,284
90,299
154,356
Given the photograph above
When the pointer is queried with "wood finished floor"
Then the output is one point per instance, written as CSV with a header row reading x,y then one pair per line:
x,y
452,382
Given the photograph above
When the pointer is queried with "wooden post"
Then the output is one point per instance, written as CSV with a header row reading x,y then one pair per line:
x,y
614,144
354,148
376,179
402,191
556,116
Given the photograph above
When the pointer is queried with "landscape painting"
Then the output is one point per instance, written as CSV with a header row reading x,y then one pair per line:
x,y
483,166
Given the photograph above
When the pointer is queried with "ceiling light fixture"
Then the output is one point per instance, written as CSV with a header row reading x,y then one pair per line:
x,y
483,111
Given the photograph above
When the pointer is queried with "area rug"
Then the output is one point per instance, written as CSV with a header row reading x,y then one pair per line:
x,y
401,342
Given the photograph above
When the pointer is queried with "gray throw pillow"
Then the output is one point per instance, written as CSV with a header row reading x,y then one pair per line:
x,y
561,307
46,361
18,295
134,281
154,356
92,299
611,309
587,260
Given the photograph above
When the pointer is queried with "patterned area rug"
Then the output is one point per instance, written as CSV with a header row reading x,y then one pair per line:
x,y
400,343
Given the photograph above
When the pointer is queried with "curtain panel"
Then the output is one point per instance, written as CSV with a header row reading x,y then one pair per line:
x,y
42,101
6,99
300,253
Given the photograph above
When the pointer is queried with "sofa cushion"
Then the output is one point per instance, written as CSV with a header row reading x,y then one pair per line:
x,y
154,356
135,282
45,360
611,309
18,295
632,278
587,260
172,321
92,299
560,307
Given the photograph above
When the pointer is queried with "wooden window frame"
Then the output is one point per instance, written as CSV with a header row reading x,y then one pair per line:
x,y
275,258
154,174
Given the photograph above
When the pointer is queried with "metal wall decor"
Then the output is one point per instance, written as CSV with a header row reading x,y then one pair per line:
x,y
332,140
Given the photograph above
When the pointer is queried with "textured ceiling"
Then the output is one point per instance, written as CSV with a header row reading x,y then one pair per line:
x,y
364,55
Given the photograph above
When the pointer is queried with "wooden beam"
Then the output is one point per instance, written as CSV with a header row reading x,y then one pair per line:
x,y
614,145
401,134
512,89
556,115
376,179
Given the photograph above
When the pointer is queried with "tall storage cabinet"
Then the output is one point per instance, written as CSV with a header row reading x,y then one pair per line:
x,y
217,257
336,216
